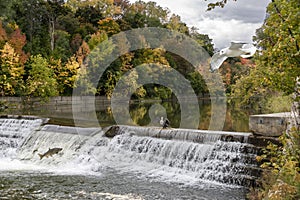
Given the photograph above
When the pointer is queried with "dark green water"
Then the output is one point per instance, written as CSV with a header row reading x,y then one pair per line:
x,y
236,119
16,185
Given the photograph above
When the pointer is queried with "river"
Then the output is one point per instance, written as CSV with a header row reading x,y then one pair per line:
x,y
115,173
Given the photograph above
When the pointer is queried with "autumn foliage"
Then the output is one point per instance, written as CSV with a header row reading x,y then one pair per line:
x,y
44,45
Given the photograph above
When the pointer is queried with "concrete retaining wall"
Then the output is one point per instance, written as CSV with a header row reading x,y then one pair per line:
x,y
270,125
57,101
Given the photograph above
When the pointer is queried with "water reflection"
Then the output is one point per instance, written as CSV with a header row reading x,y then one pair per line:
x,y
236,119
142,113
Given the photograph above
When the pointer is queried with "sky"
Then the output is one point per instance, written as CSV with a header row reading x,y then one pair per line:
x,y
237,21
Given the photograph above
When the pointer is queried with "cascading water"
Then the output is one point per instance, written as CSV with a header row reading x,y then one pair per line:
x,y
212,160
75,145
201,156
13,132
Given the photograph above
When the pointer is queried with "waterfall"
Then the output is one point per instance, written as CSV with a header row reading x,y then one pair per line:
x,y
223,162
76,144
193,135
13,132
205,156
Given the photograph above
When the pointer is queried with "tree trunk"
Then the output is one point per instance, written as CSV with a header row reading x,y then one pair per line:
x,y
294,120
51,32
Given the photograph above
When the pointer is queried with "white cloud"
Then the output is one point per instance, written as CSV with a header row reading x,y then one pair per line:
x,y
223,32
237,21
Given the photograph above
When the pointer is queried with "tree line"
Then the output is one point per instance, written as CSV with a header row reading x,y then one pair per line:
x,y
277,61
43,43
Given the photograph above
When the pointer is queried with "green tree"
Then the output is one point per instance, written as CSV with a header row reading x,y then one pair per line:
x,y
94,10
109,25
30,16
203,40
7,11
68,22
62,49
217,4
197,83
142,14
277,64
176,24
41,82
53,9
89,15
96,39
281,33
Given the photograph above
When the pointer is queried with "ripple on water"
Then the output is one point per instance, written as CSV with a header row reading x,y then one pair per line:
x,y
112,185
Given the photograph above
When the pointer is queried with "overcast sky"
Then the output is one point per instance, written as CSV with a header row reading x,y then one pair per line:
x,y
237,21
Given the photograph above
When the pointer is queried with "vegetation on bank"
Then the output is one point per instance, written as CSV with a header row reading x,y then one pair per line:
x,y
277,63
44,43
273,79
280,179
58,35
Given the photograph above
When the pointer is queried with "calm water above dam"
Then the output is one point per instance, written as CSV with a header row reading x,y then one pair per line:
x,y
236,119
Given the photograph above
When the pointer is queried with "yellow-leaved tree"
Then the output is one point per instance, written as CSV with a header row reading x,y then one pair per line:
x,y
11,73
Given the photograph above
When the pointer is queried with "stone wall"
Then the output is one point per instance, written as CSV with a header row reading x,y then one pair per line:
x,y
55,101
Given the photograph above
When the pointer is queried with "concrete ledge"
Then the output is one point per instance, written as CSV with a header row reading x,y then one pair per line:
x,y
194,135
71,130
270,125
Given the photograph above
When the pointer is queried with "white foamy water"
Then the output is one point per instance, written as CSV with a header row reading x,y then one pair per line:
x,y
87,151
183,161
74,157
13,132
92,166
